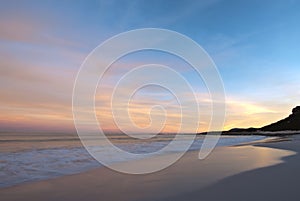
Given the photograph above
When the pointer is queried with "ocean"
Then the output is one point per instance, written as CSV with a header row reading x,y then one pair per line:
x,y
27,157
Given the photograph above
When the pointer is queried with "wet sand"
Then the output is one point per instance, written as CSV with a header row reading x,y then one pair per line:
x,y
262,172
275,183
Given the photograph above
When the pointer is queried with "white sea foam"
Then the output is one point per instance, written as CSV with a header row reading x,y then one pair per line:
x,y
38,164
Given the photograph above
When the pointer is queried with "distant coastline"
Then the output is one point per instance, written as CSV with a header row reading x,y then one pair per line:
x,y
286,126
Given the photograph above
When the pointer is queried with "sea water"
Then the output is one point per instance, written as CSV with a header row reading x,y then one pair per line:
x,y
31,157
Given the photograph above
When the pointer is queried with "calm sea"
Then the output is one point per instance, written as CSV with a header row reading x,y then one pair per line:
x,y
26,157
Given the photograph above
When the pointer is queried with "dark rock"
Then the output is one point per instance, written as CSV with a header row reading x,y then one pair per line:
x,y
296,110
291,123
243,130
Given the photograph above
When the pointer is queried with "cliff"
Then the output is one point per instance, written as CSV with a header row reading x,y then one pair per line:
x,y
290,123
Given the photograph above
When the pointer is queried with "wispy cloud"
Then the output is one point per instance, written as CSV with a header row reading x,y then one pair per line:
x,y
43,45
32,31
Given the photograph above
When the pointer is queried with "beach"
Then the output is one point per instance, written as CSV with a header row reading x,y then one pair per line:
x,y
149,100
262,171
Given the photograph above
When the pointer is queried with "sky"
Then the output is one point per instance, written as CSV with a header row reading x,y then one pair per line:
x,y
254,44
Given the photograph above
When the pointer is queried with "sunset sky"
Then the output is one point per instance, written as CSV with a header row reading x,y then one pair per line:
x,y
254,44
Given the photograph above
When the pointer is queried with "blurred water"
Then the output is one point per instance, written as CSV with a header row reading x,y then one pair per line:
x,y
25,158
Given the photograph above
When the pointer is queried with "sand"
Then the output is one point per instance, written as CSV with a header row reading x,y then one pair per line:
x,y
267,171
275,183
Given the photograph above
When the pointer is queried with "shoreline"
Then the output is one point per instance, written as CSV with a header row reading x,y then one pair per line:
x,y
272,183
268,139
254,133
78,168
186,175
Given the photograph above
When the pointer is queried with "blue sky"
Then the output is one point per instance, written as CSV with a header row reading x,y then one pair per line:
x,y
255,45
